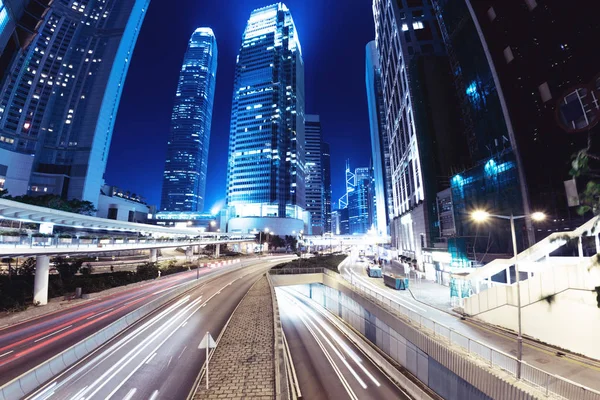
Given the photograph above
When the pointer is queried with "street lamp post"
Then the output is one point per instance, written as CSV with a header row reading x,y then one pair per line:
x,y
481,216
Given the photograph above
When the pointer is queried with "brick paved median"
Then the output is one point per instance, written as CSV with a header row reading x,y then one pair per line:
x,y
243,365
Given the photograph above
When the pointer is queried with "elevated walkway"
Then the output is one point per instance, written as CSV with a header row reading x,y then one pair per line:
x,y
558,298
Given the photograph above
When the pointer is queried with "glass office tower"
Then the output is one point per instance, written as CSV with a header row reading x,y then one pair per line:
x,y
380,143
184,180
314,174
60,98
265,176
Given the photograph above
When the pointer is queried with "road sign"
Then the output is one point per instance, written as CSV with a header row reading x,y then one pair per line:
x,y
207,342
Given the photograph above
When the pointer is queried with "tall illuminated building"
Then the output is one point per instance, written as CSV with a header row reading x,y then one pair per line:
x,y
184,179
315,190
380,143
266,171
59,99
326,165
421,120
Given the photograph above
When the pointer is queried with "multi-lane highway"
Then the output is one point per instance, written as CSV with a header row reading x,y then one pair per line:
x,y
158,357
327,364
24,346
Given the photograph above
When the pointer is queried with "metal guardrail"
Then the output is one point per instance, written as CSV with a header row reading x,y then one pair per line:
x,y
33,242
551,385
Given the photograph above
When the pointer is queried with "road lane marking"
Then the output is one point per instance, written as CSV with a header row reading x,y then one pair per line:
x,y
336,338
154,395
130,394
78,394
334,366
100,313
44,394
52,334
7,353
150,359
180,354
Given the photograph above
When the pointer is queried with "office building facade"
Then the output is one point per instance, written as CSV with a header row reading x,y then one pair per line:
x,y
423,149
266,168
326,164
380,145
361,202
59,101
315,190
184,179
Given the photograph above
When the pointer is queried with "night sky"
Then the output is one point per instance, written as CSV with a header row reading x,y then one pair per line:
x,y
333,36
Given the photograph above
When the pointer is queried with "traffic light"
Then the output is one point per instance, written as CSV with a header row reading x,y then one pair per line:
x,y
597,290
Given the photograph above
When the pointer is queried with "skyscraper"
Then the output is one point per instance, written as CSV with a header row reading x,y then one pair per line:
x,y
59,101
360,202
265,175
422,121
326,164
315,191
184,180
380,144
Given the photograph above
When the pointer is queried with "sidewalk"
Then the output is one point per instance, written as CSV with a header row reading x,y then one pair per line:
x,y
243,364
428,292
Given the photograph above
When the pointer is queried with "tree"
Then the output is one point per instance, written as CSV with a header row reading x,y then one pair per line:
x,y
291,242
147,270
276,241
4,194
66,269
585,167
27,267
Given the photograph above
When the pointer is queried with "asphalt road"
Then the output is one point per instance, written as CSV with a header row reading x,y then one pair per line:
x,y
327,364
158,357
25,345
545,358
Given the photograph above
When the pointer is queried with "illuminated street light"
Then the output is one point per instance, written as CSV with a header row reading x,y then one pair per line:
x,y
481,216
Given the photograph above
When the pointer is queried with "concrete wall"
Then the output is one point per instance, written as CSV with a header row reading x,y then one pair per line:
x,y
548,319
18,170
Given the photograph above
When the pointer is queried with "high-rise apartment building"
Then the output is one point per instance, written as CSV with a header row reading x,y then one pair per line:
x,y
326,164
315,190
184,179
266,171
59,101
421,118
361,202
380,144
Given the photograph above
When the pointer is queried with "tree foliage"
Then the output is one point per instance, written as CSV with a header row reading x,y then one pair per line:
x,y
67,268
55,202
584,167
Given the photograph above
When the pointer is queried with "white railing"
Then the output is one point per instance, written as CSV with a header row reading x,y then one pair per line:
x,y
551,385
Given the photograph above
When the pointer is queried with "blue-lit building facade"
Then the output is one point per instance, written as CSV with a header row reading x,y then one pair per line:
x,y
380,144
493,180
59,98
184,179
361,202
315,189
266,168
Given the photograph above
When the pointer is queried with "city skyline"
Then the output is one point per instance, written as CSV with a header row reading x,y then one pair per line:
x,y
339,120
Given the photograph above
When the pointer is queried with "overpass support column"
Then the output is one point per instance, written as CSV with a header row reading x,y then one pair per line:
x,y
189,252
153,255
217,250
40,285
197,249
580,246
